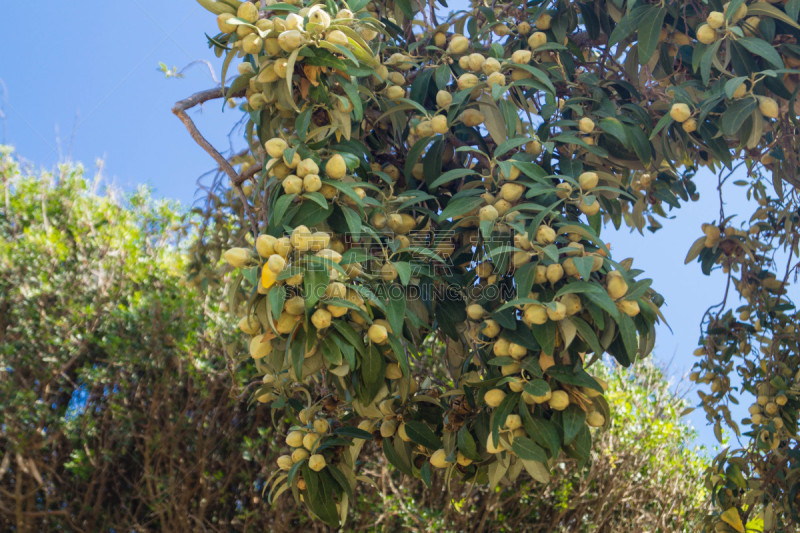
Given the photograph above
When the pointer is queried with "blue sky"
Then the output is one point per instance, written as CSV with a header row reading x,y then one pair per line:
x,y
84,84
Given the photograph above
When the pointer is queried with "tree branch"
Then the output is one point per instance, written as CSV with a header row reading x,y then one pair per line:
x,y
179,109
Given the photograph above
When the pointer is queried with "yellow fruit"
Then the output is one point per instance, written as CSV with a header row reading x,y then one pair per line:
x,y
388,428
310,441
443,99
545,235
458,44
491,328
439,124
536,314
715,19
521,57
511,192
706,34
490,446
318,19
268,278
247,11
249,325
299,454
476,312
537,39
388,272
488,213
781,399
768,106
494,397
616,285
588,180
439,459
321,426
238,257
222,22
321,318
741,12
559,400
295,305
378,334
689,125
586,125
572,303
276,263
316,462
475,61
554,273
629,307
292,185
559,313
472,117
513,422
295,439
401,432
544,21
740,91
264,245
290,40
680,112
285,462
393,371
463,460
595,419
439,39
336,168
259,348
467,81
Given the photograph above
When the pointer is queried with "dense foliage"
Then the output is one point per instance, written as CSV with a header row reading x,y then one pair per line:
x,y
413,175
120,411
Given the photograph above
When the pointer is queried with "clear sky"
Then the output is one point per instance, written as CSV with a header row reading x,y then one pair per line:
x,y
80,81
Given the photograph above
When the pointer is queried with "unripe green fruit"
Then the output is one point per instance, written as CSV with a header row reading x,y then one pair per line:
x,y
388,428
249,325
393,371
295,305
290,40
253,44
768,107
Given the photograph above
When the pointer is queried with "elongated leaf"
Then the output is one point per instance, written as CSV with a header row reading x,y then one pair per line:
x,y
527,450
763,49
574,418
649,31
421,434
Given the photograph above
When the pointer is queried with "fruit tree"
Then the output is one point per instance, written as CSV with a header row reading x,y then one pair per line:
x,y
418,177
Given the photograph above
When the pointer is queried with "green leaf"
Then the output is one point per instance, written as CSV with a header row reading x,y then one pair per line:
x,y
302,122
315,281
588,335
768,10
400,462
574,418
349,335
573,376
466,443
353,432
372,367
527,450
353,222
615,128
460,206
509,145
545,335
331,351
537,387
627,25
451,175
320,499
542,431
627,331
395,311
422,435
649,31
415,153
763,49
298,350
505,408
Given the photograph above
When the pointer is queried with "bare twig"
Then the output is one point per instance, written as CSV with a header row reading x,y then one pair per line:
x,y
179,109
